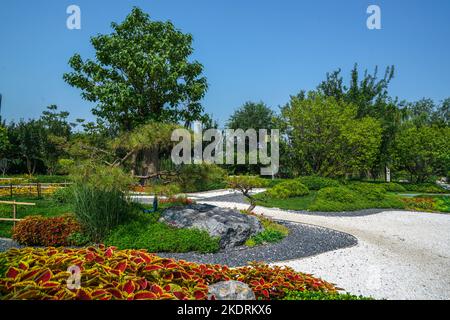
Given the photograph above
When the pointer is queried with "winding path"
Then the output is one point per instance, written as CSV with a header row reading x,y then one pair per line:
x,y
399,255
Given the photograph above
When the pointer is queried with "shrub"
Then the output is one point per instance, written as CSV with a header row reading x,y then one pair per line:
x,y
420,204
345,199
370,191
288,189
318,295
78,239
108,274
317,183
246,184
99,211
40,231
177,201
63,195
393,187
142,233
424,188
273,231
203,177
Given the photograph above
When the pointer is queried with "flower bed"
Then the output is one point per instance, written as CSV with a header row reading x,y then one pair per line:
x,y
107,273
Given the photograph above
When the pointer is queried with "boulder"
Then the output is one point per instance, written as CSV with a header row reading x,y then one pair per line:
x,y
232,227
230,290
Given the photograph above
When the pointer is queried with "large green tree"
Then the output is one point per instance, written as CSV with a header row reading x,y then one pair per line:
x,y
327,138
423,151
141,72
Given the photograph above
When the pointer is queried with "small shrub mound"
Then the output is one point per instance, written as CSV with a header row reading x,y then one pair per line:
x,y
40,231
371,192
316,183
273,232
288,189
420,204
354,197
393,187
63,195
424,188
110,274
145,232
318,295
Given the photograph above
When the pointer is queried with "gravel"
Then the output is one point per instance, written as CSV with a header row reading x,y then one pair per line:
x,y
302,241
400,254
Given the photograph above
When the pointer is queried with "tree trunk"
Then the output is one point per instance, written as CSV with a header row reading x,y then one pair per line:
x,y
150,161
133,163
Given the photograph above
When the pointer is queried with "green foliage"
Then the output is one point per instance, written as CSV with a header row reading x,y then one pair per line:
x,y
143,232
361,196
101,177
393,187
63,195
370,191
317,183
141,72
327,138
273,232
203,177
424,188
288,189
79,239
319,295
423,151
100,210
266,236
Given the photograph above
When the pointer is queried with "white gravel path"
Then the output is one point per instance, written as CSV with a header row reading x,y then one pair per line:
x,y
400,255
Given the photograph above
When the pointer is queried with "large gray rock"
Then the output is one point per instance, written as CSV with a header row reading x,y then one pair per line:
x,y
233,227
230,290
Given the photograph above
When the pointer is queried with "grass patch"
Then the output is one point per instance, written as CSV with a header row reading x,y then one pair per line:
x,y
273,232
45,207
296,203
143,231
318,295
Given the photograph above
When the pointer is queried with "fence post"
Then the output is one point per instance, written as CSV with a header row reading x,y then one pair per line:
x,y
11,189
14,212
38,187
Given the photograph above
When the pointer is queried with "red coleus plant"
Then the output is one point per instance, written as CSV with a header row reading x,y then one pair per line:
x,y
107,273
42,231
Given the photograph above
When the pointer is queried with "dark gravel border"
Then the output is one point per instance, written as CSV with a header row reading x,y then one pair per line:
x,y
302,241
237,198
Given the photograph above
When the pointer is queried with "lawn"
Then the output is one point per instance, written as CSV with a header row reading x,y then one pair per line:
x,y
44,207
296,203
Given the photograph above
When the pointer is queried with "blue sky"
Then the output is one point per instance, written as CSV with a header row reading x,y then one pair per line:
x,y
251,50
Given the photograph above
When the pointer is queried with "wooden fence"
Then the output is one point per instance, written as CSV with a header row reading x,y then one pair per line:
x,y
29,189
14,208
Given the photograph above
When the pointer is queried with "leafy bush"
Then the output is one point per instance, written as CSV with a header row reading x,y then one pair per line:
x,y
203,177
102,177
63,195
176,201
393,187
288,189
420,204
273,231
318,295
78,239
370,191
108,274
424,188
144,232
317,183
100,211
345,199
40,231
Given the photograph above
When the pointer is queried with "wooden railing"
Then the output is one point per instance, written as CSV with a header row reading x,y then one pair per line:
x,y
14,207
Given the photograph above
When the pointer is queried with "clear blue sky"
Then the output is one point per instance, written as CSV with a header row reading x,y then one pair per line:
x,y
251,50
